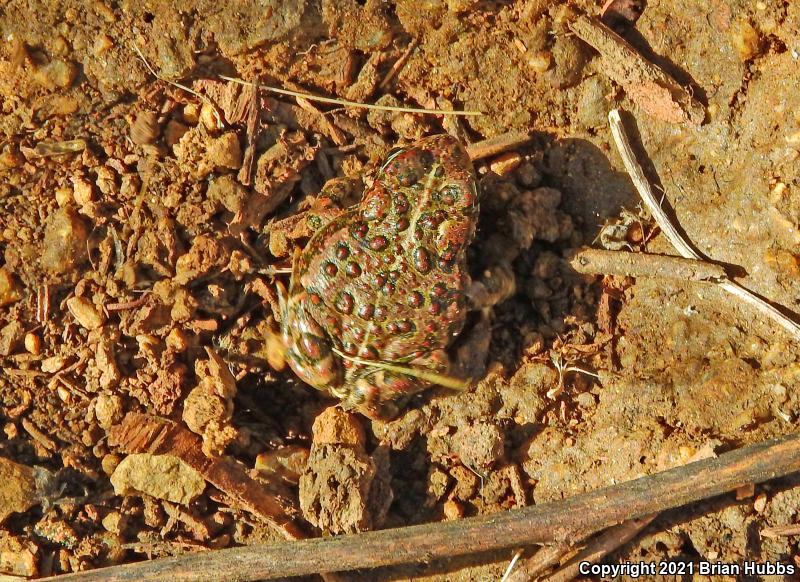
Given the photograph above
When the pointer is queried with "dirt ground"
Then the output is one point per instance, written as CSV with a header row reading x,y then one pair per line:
x,y
139,226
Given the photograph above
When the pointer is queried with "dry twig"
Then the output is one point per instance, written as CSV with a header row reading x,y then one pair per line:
x,y
499,144
793,529
544,559
627,264
600,547
399,64
559,521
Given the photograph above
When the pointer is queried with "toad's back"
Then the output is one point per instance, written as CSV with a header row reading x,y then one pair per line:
x,y
386,280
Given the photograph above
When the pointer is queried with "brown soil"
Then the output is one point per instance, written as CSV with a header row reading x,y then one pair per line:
x,y
137,222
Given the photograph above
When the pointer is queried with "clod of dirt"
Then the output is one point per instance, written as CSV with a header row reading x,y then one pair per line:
x,y
11,336
8,289
208,408
524,396
466,483
205,255
480,445
570,58
277,171
504,488
18,556
108,410
334,426
160,476
18,492
65,238
248,24
23,487
85,313
365,28
173,53
200,153
168,387
227,192
438,482
344,489
57,74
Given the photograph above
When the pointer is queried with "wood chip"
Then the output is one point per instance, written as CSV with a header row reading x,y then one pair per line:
x,y
144,433
653,89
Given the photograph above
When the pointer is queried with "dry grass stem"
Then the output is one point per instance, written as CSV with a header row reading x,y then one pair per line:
x,y
345,102
426,375
200,96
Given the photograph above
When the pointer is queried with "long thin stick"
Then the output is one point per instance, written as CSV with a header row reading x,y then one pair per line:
x,y
684,248
558,521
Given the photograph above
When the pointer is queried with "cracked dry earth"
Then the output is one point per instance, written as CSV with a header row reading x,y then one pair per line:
x,y
141,230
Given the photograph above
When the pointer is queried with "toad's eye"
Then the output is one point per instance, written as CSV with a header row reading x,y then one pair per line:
x,y
393,153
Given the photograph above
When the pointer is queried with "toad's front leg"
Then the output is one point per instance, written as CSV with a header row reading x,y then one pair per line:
x,y
309,351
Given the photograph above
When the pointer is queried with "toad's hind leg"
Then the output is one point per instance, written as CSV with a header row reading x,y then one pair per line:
x,y
381,393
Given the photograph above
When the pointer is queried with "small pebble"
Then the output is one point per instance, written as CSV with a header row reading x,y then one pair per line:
x,y
191,113
177,340
539,61
208,117
746,40
32,343
161,476
57,74
63,196
110,462
53,364
82,191
65,238
102,44
108,410
85,313
64,395
113,522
